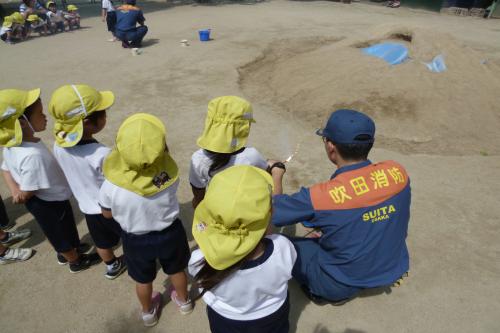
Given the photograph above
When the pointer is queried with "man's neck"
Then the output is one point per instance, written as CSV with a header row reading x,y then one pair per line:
x,y
343,163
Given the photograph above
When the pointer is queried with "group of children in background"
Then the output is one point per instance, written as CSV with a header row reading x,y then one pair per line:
x,y
34,18
129,193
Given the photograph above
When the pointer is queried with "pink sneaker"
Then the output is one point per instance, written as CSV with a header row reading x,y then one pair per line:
x,y
151,319
184,307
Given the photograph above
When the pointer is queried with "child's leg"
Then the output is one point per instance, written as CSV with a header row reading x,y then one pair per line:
x,y
144,292
58,224
180,283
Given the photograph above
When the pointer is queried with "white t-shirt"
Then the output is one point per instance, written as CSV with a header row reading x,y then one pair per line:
x,y
256,292
82,166
58,16
201,162
137,214
35,169
108,5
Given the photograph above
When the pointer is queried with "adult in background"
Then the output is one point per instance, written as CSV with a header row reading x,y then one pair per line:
x,y
363,212
127,17
30,7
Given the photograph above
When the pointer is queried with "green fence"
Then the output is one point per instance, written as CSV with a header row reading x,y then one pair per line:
x,y
434,5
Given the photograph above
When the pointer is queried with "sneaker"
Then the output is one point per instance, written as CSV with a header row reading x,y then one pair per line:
x,y
184,307
15,255
16,236
86,260
7,226
119,267
82,248
151,319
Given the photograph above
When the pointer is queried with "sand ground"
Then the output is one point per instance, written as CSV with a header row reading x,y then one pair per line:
x,y
454,231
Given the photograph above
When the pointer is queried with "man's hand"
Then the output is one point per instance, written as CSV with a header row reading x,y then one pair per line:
x,y
277,170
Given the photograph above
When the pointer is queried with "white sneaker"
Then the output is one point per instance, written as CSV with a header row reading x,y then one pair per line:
x,y
15,255
16,236
151,319
184,307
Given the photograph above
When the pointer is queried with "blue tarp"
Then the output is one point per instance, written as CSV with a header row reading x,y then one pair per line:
x,y
393,53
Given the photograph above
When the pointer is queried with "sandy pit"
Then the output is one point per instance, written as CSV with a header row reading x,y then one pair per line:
x,y
296,62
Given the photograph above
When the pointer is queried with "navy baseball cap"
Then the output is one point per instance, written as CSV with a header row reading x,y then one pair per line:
x,y
348,127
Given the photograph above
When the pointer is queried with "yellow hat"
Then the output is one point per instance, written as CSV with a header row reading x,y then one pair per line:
x,y
227,125
139,162
17,18
7,21
32,18
233,217
13,102
72,7
50,3
70,104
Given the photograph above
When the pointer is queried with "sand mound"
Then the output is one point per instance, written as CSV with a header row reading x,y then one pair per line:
x,y
456,112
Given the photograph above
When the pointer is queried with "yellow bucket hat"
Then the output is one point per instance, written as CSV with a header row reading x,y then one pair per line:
x,y
139,162
32,18
69,105
227,125
234,215
13,103
7,21
72,7
17,18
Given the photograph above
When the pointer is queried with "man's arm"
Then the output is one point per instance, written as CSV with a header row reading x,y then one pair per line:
x,y
107,213
291,209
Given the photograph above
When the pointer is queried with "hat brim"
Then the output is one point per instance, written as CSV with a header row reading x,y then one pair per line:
x,y
107,100
32,97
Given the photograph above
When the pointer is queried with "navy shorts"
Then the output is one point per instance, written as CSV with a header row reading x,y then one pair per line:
x,y
308,272
57,222
105,232
111,21
169,247
276,322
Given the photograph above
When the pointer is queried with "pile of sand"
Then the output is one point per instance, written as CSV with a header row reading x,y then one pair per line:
x,y
456,112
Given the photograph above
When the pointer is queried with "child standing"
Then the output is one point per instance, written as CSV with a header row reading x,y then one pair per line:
x,y
80,113
222,143
140,193
109,16
241,273
33,176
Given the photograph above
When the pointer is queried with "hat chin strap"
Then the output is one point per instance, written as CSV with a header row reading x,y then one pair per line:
x,y
80,98
29,124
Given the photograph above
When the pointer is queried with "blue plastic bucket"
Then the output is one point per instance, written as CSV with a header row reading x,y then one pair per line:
x,y
204,35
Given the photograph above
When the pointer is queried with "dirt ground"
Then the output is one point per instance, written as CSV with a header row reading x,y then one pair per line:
x,y
263,51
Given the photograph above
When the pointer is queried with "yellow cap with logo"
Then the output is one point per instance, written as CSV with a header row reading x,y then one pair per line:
x,y
70,104
72,7
140,161
234,215
13,103
32,18
227,125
